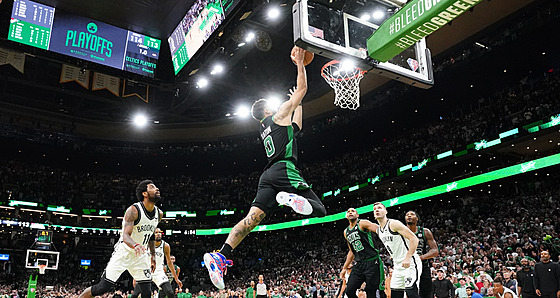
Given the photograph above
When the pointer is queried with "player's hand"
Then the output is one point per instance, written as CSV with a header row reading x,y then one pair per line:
x,y
292,90
153,263
538,292
342,273
139,250
179,283
299,54
406,262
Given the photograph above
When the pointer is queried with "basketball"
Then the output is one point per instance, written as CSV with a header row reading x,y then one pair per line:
x,y
306,60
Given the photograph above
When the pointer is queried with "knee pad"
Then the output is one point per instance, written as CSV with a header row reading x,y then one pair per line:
x,y
101,288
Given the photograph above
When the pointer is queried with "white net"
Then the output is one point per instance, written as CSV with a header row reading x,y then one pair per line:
x,y
345,80
42,269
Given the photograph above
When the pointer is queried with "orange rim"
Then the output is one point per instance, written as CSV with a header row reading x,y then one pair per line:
x,y
360,72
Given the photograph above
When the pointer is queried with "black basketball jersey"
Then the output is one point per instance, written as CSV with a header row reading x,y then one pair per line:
x,y
279,142
422,243
361,243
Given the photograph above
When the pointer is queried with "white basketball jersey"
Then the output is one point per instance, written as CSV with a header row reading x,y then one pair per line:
x,y
159,255
395,243
144,226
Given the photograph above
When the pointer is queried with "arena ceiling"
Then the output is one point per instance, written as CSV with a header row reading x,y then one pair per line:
x,y
250,72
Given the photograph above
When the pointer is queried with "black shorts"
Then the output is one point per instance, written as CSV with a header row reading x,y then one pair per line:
x,y
281,176
371,272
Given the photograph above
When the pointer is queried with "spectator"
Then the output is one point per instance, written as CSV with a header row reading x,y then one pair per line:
x,y
443,288
525,284
547,277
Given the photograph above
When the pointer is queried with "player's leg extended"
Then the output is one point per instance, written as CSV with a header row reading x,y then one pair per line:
x,y
166,290
294,191
244,227
115,267
137,291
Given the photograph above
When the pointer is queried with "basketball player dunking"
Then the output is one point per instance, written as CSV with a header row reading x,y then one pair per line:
x,y
139,224
281,183
369,267
401,244
427,249
159,277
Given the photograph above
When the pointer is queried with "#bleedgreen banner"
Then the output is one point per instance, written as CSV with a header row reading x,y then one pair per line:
x,y
416,20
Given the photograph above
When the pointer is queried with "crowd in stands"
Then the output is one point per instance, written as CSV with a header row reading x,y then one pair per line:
x,y
480,235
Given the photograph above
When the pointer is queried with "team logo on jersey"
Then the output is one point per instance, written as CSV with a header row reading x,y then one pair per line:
x,y
147,273
408,282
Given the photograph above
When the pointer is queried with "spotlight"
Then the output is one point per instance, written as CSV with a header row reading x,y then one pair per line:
x,y
365,17
274,103
202,83
347,65
140,120
273,12
243,112
217,69
378,14
241,44
250,36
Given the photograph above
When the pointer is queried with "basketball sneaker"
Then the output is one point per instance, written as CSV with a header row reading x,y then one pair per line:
x,y
300,204
217,265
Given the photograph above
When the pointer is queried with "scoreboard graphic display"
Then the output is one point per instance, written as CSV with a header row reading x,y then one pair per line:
x,y
202,19
40,26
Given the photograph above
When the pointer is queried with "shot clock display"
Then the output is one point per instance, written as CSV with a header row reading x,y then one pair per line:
x,y
44,27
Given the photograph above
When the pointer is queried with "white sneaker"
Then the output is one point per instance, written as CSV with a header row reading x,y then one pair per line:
x,y
300,204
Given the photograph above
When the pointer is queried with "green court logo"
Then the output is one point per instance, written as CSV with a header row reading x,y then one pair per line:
x,y
92,28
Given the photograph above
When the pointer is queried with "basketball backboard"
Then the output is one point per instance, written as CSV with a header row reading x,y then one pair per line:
x,y
35,258
339,29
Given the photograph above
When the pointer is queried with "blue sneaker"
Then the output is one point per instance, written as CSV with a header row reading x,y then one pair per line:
x,y
217,265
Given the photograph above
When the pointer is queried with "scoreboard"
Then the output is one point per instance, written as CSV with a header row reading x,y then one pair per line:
x,y
44,27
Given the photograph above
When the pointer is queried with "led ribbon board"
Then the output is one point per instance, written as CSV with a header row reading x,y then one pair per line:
x,y
46,28
430,192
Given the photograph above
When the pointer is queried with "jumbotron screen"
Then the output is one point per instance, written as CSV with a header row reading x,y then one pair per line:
x,y
202,19
44,27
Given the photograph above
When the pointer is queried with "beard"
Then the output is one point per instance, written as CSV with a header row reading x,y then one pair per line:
x,y
154,198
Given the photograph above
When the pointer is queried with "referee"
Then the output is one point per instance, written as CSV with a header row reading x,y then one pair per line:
x,y
368,267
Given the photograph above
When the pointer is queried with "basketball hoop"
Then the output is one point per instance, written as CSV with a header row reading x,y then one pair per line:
x,y
345,80
42,268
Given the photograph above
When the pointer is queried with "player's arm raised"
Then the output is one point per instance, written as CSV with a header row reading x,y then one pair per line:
x,y
349,258
298,112
283,116
400,228
130,216
167,252
368,226
434,251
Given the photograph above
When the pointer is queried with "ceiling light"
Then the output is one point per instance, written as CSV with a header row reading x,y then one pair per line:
x,y
217,69
274,12
347,65
365,17
274,103
250,36
202,83
243,112
241,44
140,120
378,14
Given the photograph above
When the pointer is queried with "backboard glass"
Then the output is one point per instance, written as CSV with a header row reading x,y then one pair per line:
x,y
339,29
35,258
